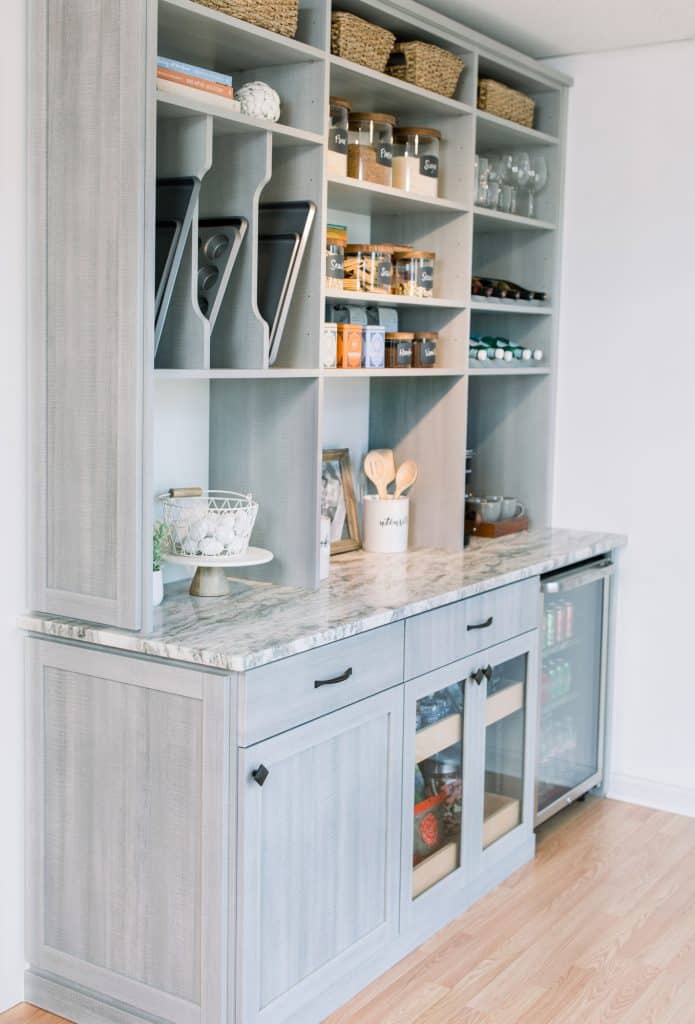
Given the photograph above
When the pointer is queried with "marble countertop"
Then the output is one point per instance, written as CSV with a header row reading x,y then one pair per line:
x,y
260,623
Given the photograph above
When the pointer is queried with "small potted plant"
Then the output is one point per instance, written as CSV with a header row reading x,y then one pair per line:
x,y
158,535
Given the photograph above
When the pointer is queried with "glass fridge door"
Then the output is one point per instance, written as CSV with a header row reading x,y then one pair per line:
x,y
571,693
438,788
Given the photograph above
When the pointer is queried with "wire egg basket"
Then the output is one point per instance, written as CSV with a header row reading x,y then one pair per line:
x,y
216,524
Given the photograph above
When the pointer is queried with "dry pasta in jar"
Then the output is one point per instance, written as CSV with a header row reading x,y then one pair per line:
x,y
414,274
368,268
336,239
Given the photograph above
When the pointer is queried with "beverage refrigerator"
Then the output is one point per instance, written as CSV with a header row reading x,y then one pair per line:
x,y
572,696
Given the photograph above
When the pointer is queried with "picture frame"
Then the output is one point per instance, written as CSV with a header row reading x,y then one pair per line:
x,y
338,500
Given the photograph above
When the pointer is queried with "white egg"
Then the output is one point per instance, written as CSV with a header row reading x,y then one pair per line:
x,y
190,546
199,530
210,546
225,531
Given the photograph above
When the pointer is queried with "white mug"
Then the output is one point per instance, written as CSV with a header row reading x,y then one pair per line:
x,y
512,508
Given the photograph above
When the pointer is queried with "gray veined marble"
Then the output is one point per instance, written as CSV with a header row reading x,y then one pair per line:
x,y
260,623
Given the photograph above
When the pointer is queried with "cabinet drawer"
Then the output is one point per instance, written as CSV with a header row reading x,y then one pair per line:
x,y
285,693
446,634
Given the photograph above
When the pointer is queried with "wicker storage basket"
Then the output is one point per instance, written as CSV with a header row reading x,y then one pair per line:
x,y
359,41
276,15
426,66
496,98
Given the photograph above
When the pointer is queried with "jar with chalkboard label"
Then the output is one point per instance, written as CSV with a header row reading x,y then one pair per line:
x,y
336,239
399,349
368,268
425,349
337,158
414,274
416,160
370,148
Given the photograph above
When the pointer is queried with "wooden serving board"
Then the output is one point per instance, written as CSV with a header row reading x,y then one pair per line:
x,y
500,529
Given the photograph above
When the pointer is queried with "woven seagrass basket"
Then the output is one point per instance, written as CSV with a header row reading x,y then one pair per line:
x,y
498,99
361,42
427,66
276,15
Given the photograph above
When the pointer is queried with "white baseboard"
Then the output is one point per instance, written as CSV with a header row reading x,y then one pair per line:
x,y
660,795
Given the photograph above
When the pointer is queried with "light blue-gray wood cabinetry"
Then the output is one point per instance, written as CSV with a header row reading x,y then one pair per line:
x,y
88,304
255,848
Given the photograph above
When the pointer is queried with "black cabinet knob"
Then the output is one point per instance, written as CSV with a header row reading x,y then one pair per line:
x,y
260,774
478,676
487,672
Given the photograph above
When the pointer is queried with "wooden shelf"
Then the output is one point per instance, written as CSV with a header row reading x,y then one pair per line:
x,y
440,736
504,703
429,371
364,197
497,133
372,90
380,299
231,122
501,815
437,866
512,306
196,34
493,220
510,371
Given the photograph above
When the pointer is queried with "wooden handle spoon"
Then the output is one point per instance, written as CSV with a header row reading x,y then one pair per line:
x,y
405,477
376,470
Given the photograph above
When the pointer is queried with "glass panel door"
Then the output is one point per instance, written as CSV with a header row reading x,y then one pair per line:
x,y
570,697
438,789
505,720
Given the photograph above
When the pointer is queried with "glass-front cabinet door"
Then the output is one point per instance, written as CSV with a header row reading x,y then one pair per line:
x,y
505,736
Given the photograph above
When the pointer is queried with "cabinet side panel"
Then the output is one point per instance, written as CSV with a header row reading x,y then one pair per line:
x,y
122,861
88,188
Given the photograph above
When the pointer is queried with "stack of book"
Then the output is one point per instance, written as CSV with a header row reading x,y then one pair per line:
x,y
196,83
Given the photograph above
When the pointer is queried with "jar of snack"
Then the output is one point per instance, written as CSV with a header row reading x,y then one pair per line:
x,y
336,239
370,148
349,346
337,158
373,347
399,349
368,268
416,160
414,274
425,348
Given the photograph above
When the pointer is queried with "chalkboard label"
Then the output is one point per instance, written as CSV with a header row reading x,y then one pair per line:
x,y
425,277
338,140
335,265
429,166
383,274
384,154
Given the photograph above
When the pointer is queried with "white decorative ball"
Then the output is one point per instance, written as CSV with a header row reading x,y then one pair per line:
x,y
210,546
259,100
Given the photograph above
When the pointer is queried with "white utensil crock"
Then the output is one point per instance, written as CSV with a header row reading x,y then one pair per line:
x,y
385,524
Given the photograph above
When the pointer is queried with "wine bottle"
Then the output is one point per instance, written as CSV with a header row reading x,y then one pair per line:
x,y
501,289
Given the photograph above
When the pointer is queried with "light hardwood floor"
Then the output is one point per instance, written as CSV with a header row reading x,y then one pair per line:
x,y
599,929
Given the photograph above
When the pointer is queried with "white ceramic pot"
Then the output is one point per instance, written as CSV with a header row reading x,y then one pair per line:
x,y
385,524
157,587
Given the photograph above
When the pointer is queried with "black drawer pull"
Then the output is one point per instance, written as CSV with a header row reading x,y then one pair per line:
x,y
260,774
331,682
487,672
478,676
481,625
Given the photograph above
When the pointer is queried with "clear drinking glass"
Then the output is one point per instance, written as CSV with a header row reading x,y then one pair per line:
x,y
538,179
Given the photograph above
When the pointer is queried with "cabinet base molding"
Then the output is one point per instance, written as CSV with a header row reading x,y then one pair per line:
x,y
76,1004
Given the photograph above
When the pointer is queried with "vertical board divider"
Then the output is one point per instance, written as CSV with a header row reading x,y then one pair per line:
x,y
184,148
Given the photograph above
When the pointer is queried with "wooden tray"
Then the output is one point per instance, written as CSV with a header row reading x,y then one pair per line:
x,y
500,529
502,814
435,867
504,703
440,736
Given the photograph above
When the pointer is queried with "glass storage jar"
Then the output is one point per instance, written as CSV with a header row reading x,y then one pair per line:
x,y
337,159
414,274
370,148
416,160
368,268
336,239
399,349
425,348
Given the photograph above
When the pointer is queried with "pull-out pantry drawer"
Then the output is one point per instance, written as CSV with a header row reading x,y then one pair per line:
x,y
287,693
446,634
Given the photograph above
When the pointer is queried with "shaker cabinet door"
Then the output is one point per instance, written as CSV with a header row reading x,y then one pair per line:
x,y
87,307
319,852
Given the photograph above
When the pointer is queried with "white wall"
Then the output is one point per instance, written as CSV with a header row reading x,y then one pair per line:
x,y
626,404
12,168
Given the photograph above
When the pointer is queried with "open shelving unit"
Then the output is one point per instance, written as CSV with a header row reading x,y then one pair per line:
x,y
222,416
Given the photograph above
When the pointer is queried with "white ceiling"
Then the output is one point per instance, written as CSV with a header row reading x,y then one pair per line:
x,y
549,28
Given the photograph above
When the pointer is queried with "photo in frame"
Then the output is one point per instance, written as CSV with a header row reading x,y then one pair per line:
x,y
338,500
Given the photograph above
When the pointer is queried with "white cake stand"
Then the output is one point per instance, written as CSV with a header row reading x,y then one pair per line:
x,y
210,578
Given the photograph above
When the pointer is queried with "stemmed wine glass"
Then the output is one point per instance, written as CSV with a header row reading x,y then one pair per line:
x,y
537,180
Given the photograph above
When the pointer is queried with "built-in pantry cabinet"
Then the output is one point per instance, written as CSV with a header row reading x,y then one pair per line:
x,y
111,426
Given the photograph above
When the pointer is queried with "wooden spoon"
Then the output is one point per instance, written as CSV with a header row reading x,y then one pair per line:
x,y
376,469
405,477
389,463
